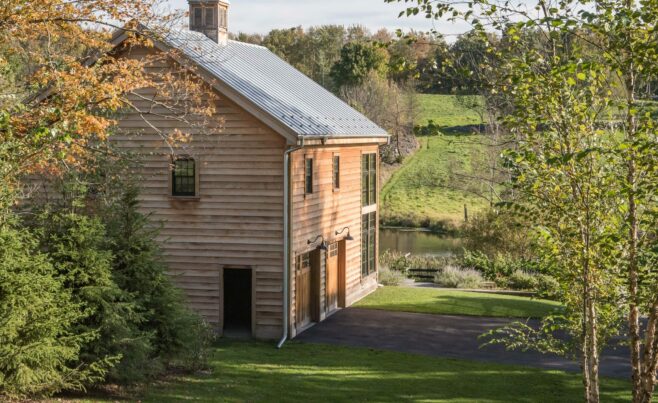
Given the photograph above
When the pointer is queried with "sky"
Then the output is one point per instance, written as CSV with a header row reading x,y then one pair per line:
x,y
261,16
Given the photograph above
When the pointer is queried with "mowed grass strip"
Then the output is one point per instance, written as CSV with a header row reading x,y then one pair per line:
x,y
449,302
258,372
447,111
425,187
425,190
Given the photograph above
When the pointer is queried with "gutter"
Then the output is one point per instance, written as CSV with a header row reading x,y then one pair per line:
x,y
287,208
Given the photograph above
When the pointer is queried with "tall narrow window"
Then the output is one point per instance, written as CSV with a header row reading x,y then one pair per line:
x,y
368,179
336,172
368,243
308,176
198,16
183,177
210,16
223,17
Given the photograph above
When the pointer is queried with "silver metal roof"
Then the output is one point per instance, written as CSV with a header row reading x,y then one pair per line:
x,y
274,86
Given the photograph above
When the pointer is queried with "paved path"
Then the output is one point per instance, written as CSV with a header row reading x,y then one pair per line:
x,y
441,336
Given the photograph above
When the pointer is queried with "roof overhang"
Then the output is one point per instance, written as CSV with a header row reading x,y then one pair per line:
x,y
309,141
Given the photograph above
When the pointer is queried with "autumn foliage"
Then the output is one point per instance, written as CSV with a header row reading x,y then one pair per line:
x,y
84,296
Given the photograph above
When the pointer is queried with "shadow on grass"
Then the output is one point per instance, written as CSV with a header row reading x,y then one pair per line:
x,y
252,371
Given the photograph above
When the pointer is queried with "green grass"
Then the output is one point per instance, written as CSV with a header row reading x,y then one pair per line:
x,y
425,191
258,372
447,111
448,302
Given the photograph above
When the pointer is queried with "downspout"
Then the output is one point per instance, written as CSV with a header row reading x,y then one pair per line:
x,y
287,208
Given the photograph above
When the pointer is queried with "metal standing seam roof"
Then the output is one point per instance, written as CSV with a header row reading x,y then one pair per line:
x,y
274,86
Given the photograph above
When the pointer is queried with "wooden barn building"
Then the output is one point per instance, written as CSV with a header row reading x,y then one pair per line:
x,y
269,218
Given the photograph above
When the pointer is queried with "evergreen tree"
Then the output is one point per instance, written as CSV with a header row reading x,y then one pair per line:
x,y
39,349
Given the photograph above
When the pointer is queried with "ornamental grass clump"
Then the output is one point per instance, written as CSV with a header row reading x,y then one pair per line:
x,y
454,277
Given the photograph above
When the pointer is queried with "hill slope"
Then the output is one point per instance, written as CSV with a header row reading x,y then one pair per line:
x,y
426,190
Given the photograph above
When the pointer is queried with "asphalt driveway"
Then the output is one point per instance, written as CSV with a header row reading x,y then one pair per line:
x,y
441,336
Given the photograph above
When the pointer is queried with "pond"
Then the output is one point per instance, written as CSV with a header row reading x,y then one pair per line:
x,y
418,242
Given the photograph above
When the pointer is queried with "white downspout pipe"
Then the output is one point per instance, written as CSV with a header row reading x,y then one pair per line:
x,y
287,208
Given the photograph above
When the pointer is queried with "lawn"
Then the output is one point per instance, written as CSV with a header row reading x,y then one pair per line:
x,y
447,111
425,190
258,372
432,186
449,302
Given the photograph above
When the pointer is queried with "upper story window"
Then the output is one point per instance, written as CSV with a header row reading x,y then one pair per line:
x,y
308,176
336,172
368,179
210,17
223,18
183,177
198,16
203,16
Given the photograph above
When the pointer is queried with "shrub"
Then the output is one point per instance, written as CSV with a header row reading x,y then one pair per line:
x,y
78,249
547,286
499,232
454,277
38,348
521,280
180,337
394,260
390,277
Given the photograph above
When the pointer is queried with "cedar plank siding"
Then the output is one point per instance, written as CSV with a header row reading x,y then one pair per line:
x,y
326,211
237,219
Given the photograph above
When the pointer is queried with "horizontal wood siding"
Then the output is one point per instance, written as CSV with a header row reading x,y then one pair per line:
x,y
326,211
237,219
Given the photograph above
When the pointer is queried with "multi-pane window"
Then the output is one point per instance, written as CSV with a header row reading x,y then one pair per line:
x,y
183,177
223,17
308,176
303,261
368,179
336,172
210,16
198,16
368,243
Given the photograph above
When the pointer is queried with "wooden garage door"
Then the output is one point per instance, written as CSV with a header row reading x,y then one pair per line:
x,y
303,291
332,277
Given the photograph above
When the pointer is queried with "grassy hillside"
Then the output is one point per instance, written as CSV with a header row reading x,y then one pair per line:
x,y
424,191
447,111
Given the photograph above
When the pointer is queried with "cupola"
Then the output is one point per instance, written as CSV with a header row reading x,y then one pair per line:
x,y
210,17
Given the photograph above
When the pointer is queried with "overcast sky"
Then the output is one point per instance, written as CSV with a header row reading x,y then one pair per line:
x,y
260,16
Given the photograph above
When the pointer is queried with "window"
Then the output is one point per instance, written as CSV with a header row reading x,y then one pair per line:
x,y
368,179
198,16
183,177
368,243
308,176
223,16
209,16
303,261
336,172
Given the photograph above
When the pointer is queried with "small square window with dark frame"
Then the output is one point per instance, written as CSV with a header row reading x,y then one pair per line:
x,y
183,177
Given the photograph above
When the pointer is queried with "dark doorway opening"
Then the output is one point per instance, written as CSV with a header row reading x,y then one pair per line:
x,y
237,302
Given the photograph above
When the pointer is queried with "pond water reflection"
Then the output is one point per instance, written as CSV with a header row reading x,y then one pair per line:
x,y
418,242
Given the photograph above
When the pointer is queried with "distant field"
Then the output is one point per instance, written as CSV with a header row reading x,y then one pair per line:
x,y
447,111
424,191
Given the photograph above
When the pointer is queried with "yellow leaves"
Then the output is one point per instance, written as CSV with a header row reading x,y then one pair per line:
x,y
64,44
